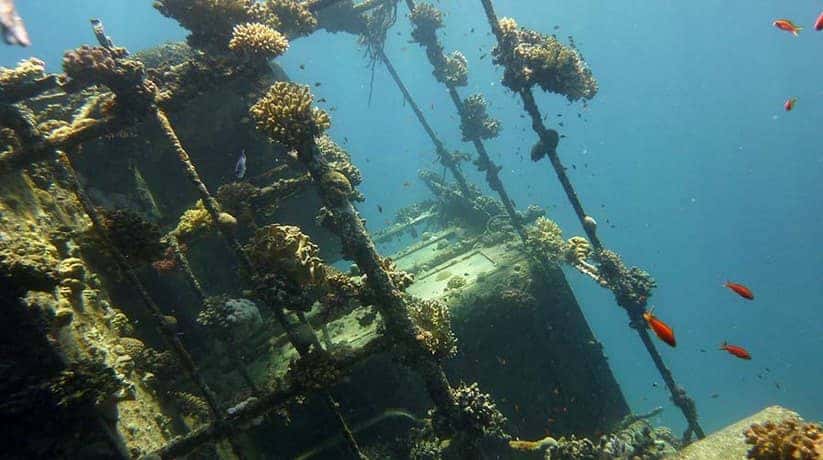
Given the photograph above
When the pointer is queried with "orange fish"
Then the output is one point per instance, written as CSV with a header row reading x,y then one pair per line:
x,y
818,25
663,331
740,352
787,25
789,104
740,290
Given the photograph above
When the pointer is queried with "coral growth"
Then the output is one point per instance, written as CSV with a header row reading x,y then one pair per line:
x,y
85,383
789,439
631,286
136,238
454,71
93,65
26,71
577,249
238,317
131,346
286,115
532,58
339,159
209,21
433,322
546,238
335,187
314,370
400,279
196,221
426,20
27,261
475,122
291,17
240,199
285,250
255,39
192,405
477,417
636,441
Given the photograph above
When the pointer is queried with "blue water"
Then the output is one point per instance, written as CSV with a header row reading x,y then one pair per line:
x,y
686,151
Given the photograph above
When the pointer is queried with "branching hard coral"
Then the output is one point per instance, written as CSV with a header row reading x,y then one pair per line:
x,y
285,114
577,255
478,416
476,123
314,370
255,39
285,250
92,64
293,17
631,286
209,21
137,238
426,20
433,322
790,439
531,58
192,405
339,159
85,383
546,237
400,279
26,71
454,71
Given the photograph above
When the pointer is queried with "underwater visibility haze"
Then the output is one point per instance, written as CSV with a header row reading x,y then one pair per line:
x,y
457,229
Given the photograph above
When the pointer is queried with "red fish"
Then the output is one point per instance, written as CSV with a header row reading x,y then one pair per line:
x,y
740,352
663,331
789,104
740,290
787,25
818,25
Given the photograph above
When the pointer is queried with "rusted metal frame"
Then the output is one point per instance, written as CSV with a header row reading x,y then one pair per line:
x,y
550,138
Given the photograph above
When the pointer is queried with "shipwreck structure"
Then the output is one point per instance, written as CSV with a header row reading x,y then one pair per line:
x,y
121,330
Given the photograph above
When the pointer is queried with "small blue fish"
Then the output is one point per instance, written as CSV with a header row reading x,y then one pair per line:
x,y
240,167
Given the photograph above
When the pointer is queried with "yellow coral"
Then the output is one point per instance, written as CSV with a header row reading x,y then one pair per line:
x,y
27,70
454,71
193,222
790,439
286,115
294,17
532,58
433,322
285,250
578,249
546,237
258,40
508,26
426,20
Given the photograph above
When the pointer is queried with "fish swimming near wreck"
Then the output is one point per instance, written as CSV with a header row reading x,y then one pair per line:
x,y
14,31
240,166
663,331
